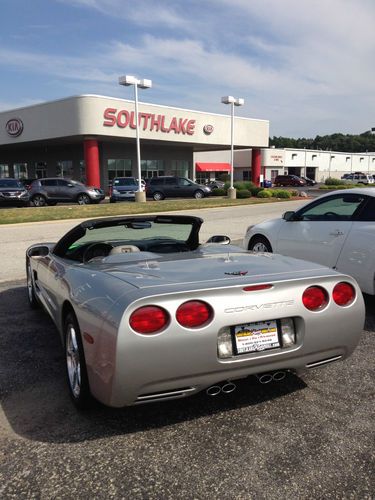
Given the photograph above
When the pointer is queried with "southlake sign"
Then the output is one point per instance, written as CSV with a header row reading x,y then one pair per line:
x,y
148,121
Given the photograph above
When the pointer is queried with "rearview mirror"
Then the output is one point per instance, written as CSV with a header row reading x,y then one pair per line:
x,y
138,225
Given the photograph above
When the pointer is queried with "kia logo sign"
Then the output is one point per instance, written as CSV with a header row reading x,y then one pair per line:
x,y
14,127
208,129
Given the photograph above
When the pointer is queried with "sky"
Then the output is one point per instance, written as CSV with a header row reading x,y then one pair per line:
x,y
307,66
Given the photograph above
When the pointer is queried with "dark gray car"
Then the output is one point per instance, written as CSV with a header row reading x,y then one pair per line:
x,y
175,187
13,193
52,190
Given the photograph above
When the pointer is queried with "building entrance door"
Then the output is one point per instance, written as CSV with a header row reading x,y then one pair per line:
x,y
151,173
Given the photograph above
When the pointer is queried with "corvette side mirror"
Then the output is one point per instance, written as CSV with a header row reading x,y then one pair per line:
x,y
39,251
219,238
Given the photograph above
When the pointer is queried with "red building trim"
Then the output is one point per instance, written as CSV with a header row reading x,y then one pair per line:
x,y
91,154
256,166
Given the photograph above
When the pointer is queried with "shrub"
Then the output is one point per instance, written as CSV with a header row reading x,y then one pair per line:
x,y
281,193
264,194
243,193
254,190
340,186
331,181
219,192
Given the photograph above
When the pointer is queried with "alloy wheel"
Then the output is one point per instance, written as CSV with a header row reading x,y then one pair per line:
x,y
73,361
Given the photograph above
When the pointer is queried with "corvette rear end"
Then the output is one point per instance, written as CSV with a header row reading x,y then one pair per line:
x,y
178,343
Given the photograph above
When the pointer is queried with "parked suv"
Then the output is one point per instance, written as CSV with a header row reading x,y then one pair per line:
x,y
13,193
175,187
358,178
122,189
52,190
289,180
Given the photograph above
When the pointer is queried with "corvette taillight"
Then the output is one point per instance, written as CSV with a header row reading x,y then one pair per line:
x,y
343,294
315,298
194,313
149,319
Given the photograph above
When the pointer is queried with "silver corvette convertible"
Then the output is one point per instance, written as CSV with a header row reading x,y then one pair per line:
x,y
147,313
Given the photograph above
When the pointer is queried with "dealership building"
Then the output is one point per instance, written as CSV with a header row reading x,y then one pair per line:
x,y
93,138
315,164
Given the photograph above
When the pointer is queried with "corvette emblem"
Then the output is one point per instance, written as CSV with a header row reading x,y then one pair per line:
x,y
237,273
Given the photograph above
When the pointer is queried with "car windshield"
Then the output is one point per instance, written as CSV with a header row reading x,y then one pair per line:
x,y
10,183
145,232
124,182
136,231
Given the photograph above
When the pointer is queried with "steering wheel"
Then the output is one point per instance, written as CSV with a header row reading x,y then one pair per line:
x,y
96,251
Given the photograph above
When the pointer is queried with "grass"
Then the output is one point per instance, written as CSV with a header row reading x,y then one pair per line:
x,y
61,212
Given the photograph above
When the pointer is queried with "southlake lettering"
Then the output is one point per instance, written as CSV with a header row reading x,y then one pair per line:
x,y
148,121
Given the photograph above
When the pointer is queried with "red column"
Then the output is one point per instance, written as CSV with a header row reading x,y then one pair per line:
x,y
91,154
256,166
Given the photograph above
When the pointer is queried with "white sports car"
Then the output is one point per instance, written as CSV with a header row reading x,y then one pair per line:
x,y
336,230
147,313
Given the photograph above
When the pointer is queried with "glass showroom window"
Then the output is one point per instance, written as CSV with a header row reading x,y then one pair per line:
x,y
20,170
4,170
152,168
180,168
119,168
41,170
82,171
65,169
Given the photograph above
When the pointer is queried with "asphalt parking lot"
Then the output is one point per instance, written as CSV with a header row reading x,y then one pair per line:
x,y
300,439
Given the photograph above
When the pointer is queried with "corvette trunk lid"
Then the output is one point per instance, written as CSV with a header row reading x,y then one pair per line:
x,y
196,268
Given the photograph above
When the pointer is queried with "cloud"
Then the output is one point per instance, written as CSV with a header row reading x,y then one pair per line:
x,y
306,66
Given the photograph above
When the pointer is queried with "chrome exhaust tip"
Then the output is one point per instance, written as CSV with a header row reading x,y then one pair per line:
x,y
265,378
279,375
214,390
229,387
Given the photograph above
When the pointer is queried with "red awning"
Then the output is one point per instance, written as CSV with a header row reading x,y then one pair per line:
x,y
212,167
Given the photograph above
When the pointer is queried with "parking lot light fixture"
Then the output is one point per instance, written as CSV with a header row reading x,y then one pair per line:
x,y
233,101
127,81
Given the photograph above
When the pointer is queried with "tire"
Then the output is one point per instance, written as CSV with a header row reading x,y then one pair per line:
x,y
39,200
33,301
260,244
76,371
198,195
158,196
83,199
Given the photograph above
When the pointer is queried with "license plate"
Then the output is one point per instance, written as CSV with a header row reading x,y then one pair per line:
x,y
255,337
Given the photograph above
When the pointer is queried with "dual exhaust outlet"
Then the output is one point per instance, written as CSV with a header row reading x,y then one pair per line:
x,y
266,378
225,388
228,387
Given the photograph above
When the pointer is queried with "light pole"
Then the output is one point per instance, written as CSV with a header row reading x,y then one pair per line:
x,y
129,80
233,102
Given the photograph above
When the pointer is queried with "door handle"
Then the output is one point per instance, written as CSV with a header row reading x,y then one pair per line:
x,y
336,233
